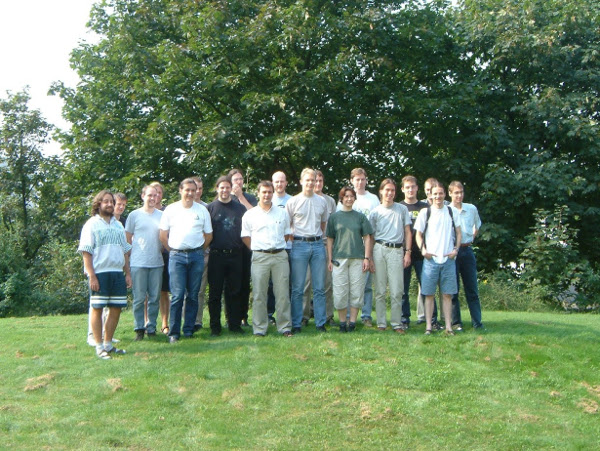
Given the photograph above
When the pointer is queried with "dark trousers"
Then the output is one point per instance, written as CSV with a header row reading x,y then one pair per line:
x,y
245,285
466,268
224,269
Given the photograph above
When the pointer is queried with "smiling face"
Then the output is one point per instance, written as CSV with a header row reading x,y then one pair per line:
x,y
224,191
120,207
107,206
457,195
438,195
149,197
388,194
319,184
348,200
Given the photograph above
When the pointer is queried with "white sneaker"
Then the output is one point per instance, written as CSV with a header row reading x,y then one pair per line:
x,y
90,340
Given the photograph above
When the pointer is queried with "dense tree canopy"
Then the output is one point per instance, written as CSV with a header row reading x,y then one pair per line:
x,y
499,94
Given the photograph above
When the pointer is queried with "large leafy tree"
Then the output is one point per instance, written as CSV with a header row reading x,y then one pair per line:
x,y
175,87
534,119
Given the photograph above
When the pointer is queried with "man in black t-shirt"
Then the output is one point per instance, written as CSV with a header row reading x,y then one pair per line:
x,y
410,190
225,262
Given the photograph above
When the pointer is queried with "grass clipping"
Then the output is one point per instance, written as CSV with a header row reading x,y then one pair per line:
x,y
35,383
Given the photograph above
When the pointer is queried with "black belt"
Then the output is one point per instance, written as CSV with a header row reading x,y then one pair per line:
x,y
187,250
225,251
466,244
270,251
386,244
307,238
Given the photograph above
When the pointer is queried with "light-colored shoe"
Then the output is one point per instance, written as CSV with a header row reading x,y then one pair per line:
x,y
367,323
91,341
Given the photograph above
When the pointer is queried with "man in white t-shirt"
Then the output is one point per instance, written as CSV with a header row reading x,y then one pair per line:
x,y
438,237
365,202
185,231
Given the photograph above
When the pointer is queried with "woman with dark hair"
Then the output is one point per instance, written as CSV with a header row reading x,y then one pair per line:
x,y
349,257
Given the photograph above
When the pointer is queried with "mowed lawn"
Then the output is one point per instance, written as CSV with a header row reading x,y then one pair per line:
x,y
531,381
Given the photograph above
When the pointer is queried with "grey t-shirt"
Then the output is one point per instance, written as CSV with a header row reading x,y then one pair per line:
x,y
389,222
146,251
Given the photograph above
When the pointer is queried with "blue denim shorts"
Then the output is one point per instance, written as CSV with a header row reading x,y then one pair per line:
x,y
113,291
434,273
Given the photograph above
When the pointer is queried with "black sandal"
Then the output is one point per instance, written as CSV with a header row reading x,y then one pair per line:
x,y
428,332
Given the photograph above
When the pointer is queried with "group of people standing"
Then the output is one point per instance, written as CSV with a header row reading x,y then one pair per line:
x,y
304,252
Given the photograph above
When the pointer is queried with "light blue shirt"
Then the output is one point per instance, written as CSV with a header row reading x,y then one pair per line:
x,y
469,220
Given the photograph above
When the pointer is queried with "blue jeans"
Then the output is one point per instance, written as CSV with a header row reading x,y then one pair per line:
x,y
146,281
466,266
303,255
185,274
418,265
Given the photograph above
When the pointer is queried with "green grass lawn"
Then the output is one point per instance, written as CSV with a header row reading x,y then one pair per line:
x,y
532,381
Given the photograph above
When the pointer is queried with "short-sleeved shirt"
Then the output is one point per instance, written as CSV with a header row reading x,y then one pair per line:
x,y
347,229
439,237
106,242
226,219
414,210
469,221
389,222
280,202
331,208
186,226
306,214
266,229
147,248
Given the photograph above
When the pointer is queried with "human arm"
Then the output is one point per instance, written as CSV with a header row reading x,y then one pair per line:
x,y
129,237
454,252
207,240
238,192
127,271
329,253
421,244
247,241
368,263
88,265
164,239
407,246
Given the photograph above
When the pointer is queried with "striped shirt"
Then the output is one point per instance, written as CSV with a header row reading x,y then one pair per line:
x,y
106,242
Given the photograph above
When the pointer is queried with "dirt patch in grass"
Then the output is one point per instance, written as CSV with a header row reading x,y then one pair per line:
x,y
115,384
588,406
35,383
592,390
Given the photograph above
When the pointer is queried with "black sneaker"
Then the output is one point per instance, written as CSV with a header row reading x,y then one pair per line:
x,y
351,327
296,330
343,328
321,329
139,335
304,322
197,327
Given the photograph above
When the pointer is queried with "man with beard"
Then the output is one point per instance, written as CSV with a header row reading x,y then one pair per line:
x,y
105,259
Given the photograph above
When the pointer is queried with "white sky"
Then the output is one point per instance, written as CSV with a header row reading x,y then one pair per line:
x,y
36,39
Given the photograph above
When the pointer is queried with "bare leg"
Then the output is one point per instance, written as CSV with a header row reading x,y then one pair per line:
x,y
428,311
165,304
353,314
96,324
111,323
342,315
447,300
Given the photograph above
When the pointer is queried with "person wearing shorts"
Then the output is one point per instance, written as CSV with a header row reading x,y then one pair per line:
x,y
437,236
106,263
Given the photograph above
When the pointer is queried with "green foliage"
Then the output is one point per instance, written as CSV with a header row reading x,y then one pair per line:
x,y
502,291
551,261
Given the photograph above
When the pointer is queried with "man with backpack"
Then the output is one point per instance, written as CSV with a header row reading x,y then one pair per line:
x,y
438,238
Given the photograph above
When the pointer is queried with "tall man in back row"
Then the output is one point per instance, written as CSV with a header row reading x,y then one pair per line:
x,y
438,236
105,259
308,216
185,231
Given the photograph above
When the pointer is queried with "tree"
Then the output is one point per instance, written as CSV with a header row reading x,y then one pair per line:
x,y
175,87
23,170
533,119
